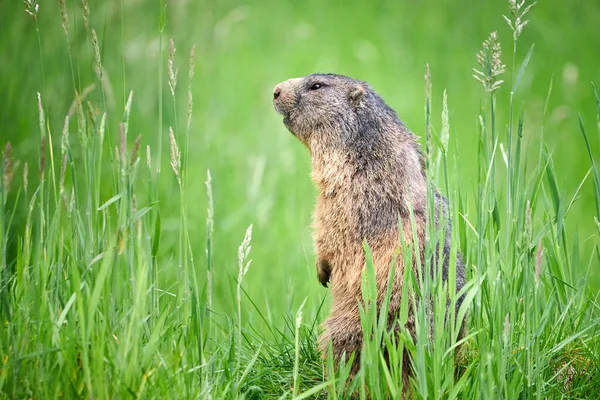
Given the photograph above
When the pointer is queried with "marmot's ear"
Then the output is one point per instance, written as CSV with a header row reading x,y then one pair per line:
x,y
356,95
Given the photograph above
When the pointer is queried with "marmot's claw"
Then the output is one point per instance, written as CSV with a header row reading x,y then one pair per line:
x,y
324,272
324,279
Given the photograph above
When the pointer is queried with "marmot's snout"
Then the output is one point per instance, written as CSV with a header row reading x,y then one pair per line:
x,y
278,104
284,96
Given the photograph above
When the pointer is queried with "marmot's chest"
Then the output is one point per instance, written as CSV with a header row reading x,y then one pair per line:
x,y
340,228
344,220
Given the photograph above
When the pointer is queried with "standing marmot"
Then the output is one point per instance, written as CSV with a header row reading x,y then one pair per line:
x,y
366,165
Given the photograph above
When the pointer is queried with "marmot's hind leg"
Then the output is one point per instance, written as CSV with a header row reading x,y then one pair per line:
x,y
346,337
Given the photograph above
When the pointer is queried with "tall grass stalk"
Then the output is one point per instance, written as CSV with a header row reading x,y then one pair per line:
x,y
159,134
243,266
32,8
297,347
210,212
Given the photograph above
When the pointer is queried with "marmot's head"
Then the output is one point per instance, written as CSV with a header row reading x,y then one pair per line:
x,y
330,108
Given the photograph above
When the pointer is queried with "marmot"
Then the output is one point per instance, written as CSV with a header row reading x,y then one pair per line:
x,y
366,165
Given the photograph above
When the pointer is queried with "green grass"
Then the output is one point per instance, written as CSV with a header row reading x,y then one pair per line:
x,y
123,277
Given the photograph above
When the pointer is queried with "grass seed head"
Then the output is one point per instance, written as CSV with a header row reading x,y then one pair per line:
x,y
92,112
102,126
64,142
192,63
445,133
25,175
518,11
32,7
427,82
78,98
42,156
190,78
85,11
122,142
175,155
81,120
135,150
97,53
42,115
148,157
190,108
134,204
488,59
243,253
299,314
128,111
528,220
65,17
210,208
171,68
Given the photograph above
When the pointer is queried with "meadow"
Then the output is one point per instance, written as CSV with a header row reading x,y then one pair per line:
x,y
155,214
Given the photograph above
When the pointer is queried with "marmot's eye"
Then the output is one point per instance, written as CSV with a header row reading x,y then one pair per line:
x,y
315,86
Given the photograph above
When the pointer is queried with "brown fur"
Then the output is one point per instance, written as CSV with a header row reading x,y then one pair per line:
x,y
367,166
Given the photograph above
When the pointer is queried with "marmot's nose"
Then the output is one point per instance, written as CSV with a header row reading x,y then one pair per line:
x,y
276,92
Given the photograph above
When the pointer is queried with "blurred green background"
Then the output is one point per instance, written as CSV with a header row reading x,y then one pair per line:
x,y
260,173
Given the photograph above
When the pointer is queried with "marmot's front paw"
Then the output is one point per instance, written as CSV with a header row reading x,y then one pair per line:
x,y
324,272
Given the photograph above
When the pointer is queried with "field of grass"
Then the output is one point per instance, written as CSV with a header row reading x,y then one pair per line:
x,y
155,214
